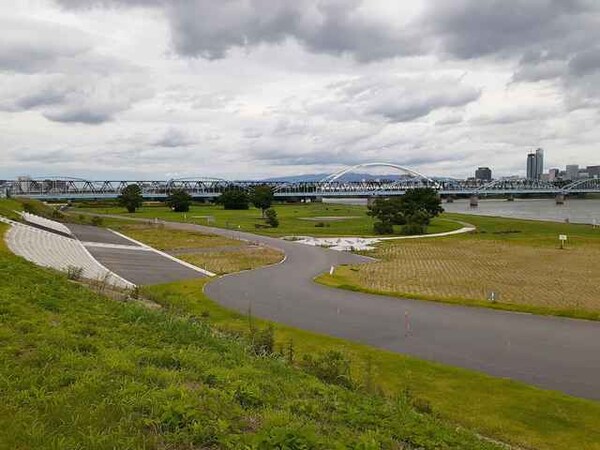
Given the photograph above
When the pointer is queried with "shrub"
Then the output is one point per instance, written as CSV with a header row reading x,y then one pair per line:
x,y
262,197
331,367
234,198
179,200
271,218
321,225
383,228
74,273
131,198
247,398
412,229
263,341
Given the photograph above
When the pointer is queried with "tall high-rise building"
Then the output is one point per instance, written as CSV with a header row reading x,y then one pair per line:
x,y
572,172
593,171
535,164
483,174
539,157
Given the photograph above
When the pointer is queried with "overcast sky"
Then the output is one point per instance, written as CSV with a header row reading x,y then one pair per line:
x,y
252,88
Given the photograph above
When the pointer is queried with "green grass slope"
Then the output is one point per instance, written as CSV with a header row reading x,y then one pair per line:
x,y
80,371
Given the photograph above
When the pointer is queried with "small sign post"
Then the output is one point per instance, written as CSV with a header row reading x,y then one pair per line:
x,y
563,239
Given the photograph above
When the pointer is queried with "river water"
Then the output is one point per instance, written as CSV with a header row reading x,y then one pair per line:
x,y
574,210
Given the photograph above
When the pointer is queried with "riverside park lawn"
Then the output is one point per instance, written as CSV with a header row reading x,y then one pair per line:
x,y
302,219
500,409
78,370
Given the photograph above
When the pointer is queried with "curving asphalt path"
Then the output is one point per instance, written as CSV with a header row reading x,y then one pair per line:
x,y
549,352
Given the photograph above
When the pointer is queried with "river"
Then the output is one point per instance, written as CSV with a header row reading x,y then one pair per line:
x,y
574,210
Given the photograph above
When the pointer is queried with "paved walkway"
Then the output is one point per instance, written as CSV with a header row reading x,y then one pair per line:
x,y
549,352
131,260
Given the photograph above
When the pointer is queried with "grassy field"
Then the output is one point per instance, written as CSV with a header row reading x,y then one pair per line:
x,y
159,237
217,254
80,371
501,409
507,411
310,219
518,260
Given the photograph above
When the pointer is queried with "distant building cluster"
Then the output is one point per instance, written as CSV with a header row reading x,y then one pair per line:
x,y
535,171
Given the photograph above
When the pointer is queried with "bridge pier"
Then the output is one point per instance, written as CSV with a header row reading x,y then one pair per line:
x,y
560,199
449,199
510,198
474,201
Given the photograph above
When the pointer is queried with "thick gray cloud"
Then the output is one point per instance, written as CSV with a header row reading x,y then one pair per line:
x,y
474,28
208,29
54,69
86,99
585,62
396,99
30,45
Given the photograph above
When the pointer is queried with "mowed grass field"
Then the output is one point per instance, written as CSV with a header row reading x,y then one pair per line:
x,y
217,254
302,219
520,261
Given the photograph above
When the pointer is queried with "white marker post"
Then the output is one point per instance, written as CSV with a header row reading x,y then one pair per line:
x,y
331,270
563,239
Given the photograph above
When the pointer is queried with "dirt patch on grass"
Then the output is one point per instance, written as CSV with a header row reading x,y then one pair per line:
x,y
329,218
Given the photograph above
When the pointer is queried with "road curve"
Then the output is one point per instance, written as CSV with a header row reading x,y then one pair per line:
x,y
549,352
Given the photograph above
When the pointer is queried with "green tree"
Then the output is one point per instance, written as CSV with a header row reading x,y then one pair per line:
x,y
414,211
271,218
234,198
425,200
387,210
262,197
131,197
179,200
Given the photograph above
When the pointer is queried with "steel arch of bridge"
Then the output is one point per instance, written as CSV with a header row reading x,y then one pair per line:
x,y
588,185
340,173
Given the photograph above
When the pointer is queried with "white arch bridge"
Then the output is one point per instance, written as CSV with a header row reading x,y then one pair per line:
x,y
334,185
